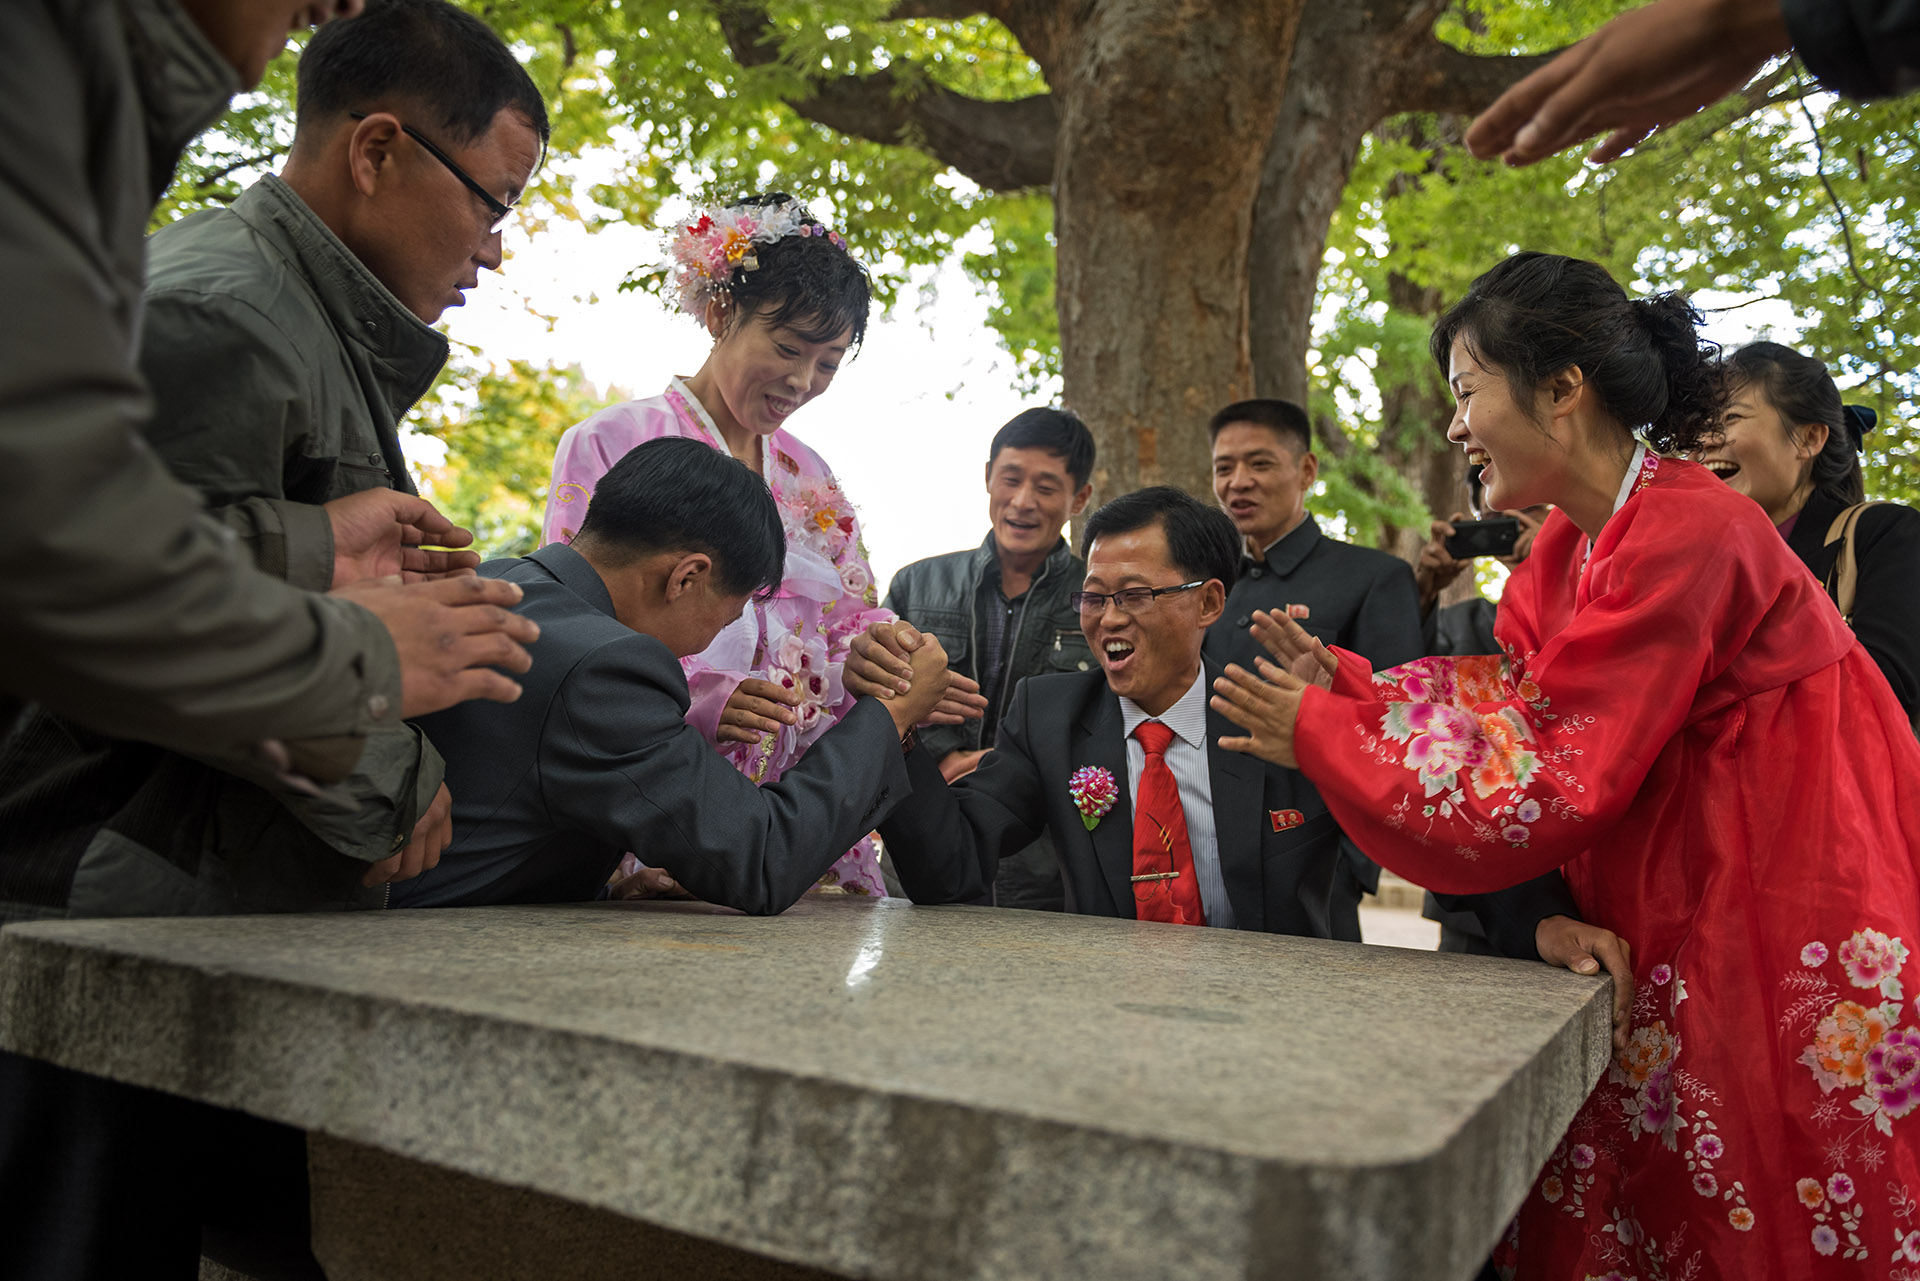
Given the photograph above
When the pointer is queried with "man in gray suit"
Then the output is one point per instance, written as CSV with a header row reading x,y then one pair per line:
x,y
596,758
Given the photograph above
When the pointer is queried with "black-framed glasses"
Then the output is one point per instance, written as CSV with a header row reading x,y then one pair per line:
x,y
1129,600
499,212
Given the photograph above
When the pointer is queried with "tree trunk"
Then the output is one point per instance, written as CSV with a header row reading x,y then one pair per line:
x,y
1332,99
1165,111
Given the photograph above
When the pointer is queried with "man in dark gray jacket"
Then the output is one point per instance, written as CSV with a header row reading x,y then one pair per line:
x,y
597,758
285,338
1001,609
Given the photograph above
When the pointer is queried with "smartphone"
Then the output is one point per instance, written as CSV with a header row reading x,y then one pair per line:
x,y
1492,537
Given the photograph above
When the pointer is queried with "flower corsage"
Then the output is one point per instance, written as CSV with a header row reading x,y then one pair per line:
x,y
1094,792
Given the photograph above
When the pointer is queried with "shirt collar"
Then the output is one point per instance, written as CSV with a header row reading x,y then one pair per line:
x,y
1285,553
1187,718
1632,478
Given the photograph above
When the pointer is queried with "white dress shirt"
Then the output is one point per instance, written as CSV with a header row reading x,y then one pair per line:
x,y
1187,761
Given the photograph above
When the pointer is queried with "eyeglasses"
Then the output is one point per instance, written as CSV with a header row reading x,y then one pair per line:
x,y
1128,600
499,211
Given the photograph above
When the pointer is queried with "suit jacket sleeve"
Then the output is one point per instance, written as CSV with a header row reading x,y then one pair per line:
x,y
1387,629
1509,917
228,409
948,839
127,610
619,761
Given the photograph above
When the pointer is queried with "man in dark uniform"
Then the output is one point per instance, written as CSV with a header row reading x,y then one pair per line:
x,y
1354,597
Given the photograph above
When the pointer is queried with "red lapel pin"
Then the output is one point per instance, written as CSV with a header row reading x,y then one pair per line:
x,y
1299,611
1284,819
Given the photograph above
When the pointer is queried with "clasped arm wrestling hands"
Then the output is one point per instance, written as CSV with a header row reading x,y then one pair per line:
x,y
1647,68
1267,706
455,633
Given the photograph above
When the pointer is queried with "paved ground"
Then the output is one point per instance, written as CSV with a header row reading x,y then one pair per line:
x,y
1398,927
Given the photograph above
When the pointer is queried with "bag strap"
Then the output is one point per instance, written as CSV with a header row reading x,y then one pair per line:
x,y
1844,578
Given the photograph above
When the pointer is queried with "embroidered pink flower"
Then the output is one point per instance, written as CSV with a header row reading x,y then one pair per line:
x,y
1424,680
1528,811
1515,834
1910,1247
1825,1239
1662,975
1657,1103
1814,953
1440,742
1741,1218
1709,1146
1581,1156
1811,1194
1705,1184
1840,1188
856,578
1552,1189
1893,1073
1870,958
1094,792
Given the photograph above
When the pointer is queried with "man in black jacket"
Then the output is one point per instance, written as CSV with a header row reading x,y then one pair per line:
x,y
597,758
1358,598
1001,611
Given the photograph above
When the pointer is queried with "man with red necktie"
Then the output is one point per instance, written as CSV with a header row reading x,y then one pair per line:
x,y
1123,767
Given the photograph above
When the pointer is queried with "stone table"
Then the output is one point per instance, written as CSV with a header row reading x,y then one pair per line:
x,y
873,1090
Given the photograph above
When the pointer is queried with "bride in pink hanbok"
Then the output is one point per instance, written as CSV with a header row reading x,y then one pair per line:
x,y
786,304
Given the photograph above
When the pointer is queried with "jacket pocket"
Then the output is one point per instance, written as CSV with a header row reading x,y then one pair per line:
x,y
1069,652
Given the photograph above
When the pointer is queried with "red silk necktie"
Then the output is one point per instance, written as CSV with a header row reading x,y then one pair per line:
x,y
1164,886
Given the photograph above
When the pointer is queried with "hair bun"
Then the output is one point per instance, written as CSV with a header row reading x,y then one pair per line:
x,y
1860,421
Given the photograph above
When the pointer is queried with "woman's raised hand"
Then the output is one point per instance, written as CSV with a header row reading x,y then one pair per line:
x,y
1266,706
1297,651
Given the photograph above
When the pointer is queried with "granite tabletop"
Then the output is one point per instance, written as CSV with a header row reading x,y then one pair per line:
x,y
877,1089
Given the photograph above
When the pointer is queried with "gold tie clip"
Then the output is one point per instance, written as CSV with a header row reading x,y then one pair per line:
x,y
1154,876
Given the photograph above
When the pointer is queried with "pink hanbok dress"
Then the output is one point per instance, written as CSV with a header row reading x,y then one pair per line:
x,y
799,637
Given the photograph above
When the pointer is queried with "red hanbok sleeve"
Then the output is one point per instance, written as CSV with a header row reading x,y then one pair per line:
x,y
1472,774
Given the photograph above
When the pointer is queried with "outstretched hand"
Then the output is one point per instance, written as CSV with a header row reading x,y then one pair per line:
x,y
1586,949
381,532
1266,706
1647,68
1297,651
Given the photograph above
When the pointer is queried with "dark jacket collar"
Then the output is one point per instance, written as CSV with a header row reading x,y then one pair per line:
x,y
407,353
987,555
573,572
1286,555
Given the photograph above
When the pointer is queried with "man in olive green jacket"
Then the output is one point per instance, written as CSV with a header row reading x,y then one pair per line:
x,y
286,337
126,608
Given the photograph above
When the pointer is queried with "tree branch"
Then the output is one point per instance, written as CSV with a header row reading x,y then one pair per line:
x,y
1440,78
953,10
1003,146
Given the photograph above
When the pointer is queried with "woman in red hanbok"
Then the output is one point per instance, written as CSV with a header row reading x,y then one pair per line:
x,y
1683,725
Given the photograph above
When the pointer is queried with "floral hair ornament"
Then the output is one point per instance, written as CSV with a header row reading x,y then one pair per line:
x,y
705,252
1094,792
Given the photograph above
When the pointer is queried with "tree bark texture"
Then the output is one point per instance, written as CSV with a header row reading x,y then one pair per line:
x,y
1165,111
